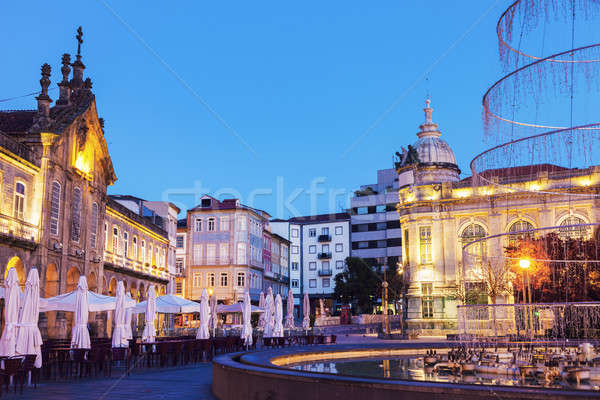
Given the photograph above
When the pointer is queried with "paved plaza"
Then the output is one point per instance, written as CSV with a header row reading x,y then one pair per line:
x,y
192,382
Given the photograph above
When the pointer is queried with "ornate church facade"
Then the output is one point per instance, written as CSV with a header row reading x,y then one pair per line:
x,y
55,214
440,213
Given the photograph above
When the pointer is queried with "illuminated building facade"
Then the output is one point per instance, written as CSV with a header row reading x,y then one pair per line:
x,y
439,214
54,172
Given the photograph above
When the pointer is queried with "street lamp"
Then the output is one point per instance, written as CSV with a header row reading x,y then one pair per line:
x,y
524,263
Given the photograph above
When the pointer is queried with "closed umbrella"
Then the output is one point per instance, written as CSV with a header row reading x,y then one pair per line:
x,y
247,326
214,318
149,330
119,336
12,301
306,310
29,338
203,332
278,327
289,318
80,336
261,304
269,309
128,315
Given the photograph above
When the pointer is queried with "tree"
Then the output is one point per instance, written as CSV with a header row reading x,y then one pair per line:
x,y
359,284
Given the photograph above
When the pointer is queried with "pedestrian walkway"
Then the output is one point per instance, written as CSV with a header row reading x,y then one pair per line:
x,y
178,383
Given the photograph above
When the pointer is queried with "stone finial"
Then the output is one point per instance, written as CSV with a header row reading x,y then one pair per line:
x,y
65,91
78,66
87,83
42,119
429,128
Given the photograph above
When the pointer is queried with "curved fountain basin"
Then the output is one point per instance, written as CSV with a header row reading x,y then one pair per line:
x,y
265,374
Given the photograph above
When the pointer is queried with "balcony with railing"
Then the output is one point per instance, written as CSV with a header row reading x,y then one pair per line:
x,y
18,232
325,272
324,238
324,256
19,149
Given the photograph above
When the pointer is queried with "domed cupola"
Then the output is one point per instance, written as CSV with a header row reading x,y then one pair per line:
x,y
436,159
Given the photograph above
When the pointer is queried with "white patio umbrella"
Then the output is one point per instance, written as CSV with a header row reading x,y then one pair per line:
x,y
237,308
203,332
214,318
306,311
12,302
149,330
269,309
169,304
29,338
80,336
119,335
68,302
278,327
289,317
261,304
128,315
247,324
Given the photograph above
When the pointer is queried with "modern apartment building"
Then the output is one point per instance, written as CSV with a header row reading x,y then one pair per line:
x,y
376,233
319,246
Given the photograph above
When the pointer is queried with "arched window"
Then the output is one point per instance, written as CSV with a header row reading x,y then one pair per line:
x,y
520,230
134,249
54,208
19,200
76,220
472,233
94,226
143,252
570,228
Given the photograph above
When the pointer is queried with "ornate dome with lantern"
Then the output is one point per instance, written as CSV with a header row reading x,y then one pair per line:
x,y
430,157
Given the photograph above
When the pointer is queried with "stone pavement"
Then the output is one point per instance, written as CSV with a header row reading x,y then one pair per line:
x,y
190,382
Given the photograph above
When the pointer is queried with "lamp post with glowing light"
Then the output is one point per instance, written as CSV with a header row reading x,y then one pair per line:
x,y
525,264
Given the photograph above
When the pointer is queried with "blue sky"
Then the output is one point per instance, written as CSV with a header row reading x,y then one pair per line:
x,y
292,88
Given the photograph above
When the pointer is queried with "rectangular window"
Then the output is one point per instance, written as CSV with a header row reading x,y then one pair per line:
x,y
76,217
380,208
211,224
106,243
198,254
126,244
242,223
381,243
134,248
224,253
241,253
312,249
326,282
198,225
211,279
312,283
295,232
178,288
143,251
363,245
224,282
115,246
339,247
312,266
425,244
325,248
197,279
179,266
381,226
55,208
180,239
325,266
362,210
295,249
224,224
241,279
427,300
211,253
312,232
339,264
325,231
294,266
295,283
20,200
94,227
339,230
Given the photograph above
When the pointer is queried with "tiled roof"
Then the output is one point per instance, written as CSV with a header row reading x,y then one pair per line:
x,y
17,121
321,218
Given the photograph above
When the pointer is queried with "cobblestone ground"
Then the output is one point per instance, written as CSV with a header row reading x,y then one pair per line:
x,y
190,382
